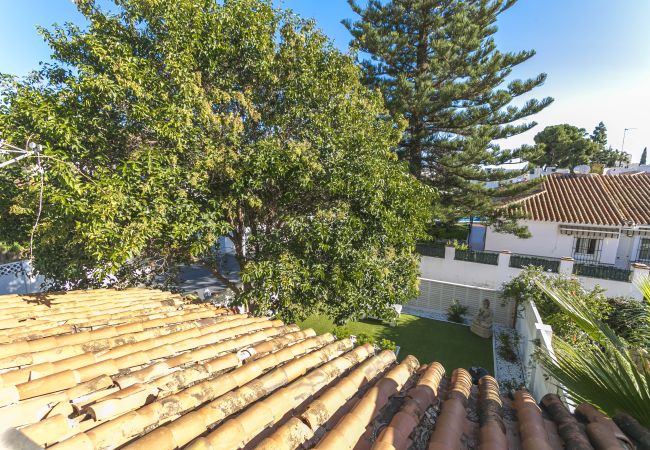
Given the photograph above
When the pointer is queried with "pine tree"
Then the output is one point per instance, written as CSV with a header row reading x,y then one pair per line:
x,y
438,66
644,156
599,135
606,154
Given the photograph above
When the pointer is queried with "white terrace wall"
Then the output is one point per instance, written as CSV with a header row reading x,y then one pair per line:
x,y
14,279
532,330
489,276
546,241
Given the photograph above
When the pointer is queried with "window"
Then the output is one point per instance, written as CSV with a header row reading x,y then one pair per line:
x,y
644,250
587,249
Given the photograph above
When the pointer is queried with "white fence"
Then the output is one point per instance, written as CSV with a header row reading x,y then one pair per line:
x,y
535,334
15,279
436,296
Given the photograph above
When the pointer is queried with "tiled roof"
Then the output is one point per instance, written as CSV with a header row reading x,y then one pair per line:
x,y
591,199
142,369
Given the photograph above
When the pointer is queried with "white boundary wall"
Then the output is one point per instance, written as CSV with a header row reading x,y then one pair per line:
x,y
531,330
489,276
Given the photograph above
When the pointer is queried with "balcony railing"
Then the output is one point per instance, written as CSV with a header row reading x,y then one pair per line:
x,y
478,256
604,272
548,264
428,249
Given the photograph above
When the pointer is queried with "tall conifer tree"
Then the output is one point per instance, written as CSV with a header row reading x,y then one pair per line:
x,y
437,64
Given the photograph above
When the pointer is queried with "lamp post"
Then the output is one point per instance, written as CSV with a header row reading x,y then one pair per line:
x,y
624,132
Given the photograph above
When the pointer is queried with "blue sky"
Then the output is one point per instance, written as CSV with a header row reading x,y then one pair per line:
x,y
596,54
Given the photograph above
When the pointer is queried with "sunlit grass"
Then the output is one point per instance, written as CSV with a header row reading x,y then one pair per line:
x,y
428,340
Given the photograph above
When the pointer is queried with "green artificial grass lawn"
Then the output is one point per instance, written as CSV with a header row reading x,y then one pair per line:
x,y
428,340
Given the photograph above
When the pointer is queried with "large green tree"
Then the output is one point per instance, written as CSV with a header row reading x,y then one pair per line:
x,y
169,124
437,64
564,146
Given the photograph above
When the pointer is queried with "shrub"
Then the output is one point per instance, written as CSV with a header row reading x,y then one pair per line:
x,y
508,347
458,245
630,319
522,289
387,344
363,338
341,332
456,312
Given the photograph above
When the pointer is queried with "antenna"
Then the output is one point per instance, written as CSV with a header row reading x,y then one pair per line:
x,y
5,148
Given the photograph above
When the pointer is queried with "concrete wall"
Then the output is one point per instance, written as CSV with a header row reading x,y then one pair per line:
x,y
546,240
490,276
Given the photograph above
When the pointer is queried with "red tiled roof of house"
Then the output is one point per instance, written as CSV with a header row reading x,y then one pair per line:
x,y
591,199
145,369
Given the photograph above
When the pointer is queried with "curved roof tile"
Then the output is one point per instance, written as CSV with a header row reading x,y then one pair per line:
x,y
169,374
591,199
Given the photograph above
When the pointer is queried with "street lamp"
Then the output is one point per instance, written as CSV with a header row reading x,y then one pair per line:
x,y
623,144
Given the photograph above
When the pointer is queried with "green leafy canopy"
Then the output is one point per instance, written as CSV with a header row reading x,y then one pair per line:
x,y
169,124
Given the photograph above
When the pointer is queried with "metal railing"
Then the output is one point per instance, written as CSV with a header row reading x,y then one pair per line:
x,y
604,272
429,249
548,264
478,256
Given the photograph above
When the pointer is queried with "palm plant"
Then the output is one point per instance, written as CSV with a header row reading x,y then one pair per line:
x,y
609,373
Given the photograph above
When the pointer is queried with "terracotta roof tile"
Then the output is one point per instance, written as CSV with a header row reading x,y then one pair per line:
x,y
590,199
176,375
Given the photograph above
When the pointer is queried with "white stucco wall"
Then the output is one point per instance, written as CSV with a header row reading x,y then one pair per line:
x,y
492,277
546,240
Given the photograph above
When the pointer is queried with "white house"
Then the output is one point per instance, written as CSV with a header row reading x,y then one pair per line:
x,y
596,219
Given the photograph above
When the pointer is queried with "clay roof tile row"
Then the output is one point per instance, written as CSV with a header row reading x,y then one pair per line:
x,y
590,199
201,377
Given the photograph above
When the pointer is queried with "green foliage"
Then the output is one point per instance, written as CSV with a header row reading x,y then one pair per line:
x,y
168,124
438,66
644,156
341,332
567,146
458,245
456,312
606,155
630,319
363,338
525,287
387,344
446,231
563,146
507,347
607,372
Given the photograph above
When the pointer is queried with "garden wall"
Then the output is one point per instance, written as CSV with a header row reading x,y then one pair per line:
x,y
436,296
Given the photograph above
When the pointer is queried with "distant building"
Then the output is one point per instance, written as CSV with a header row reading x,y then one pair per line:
x,y
596,219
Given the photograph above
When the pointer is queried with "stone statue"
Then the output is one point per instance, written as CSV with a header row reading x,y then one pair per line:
x,y
482,324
